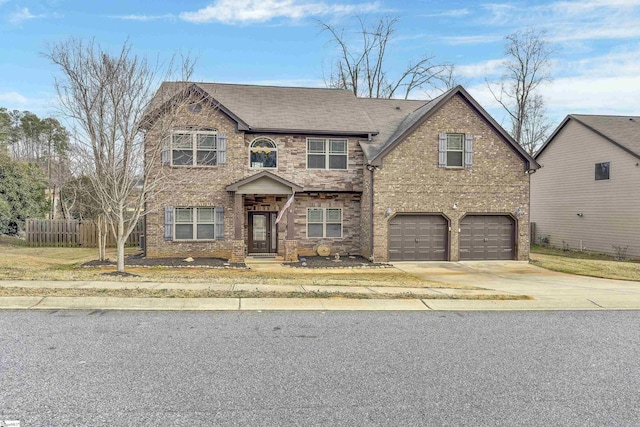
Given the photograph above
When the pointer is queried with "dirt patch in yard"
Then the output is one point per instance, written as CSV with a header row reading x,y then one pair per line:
x,y
351,261
140,261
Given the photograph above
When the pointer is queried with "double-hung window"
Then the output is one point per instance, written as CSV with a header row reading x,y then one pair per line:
x,y
456,150
195,148
191,223
324,222
327,153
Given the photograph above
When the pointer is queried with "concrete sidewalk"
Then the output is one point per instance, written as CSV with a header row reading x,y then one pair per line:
x,y
551,291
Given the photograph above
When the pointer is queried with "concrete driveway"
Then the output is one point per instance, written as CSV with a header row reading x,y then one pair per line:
x,y
548,288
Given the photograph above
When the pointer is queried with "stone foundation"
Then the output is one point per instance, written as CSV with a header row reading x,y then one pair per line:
x,y
290,250
237,252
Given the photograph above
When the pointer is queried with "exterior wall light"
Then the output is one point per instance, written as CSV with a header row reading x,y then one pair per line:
x,y
387,213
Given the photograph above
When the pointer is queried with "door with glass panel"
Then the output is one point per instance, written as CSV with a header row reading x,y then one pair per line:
x,y
263,235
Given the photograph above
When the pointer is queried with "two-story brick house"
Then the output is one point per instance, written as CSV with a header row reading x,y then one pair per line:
x,y
392,179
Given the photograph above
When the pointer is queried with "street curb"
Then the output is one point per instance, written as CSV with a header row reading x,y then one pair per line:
x,y
296,304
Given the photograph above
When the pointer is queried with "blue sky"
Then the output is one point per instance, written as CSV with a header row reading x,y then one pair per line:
x,y
596,60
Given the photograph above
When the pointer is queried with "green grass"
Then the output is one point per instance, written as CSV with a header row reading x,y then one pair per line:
x,y
585,263
571,253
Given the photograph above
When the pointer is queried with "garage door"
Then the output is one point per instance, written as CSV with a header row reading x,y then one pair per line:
x,y
486,237
418,238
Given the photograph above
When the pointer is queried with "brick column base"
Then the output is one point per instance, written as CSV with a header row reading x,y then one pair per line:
x,y
237,251
290,250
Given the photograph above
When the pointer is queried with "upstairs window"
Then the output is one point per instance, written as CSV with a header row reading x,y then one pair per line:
x,y
602,171
263,153
195,148
327,153
455,150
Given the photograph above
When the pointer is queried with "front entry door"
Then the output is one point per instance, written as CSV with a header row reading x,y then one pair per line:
x,y
263,234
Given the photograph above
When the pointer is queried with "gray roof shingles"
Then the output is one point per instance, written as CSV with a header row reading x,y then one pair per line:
x,y
316,111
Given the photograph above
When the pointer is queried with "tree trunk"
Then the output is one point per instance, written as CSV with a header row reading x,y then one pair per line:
x,y
120,243
101,238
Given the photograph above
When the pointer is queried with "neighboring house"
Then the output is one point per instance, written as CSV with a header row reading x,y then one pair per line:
x,y
383,178
587,193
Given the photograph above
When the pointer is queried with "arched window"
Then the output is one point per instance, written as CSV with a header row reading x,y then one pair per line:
x,y
263,153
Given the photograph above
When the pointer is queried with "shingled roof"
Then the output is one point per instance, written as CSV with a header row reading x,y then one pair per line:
x,y
623,131
288,109
323,111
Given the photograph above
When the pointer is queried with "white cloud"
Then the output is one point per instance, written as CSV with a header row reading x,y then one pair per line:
x,y
477,39
569,20
600,95
143,17
604,84
482,69
21,15
13,99
248,11
453,13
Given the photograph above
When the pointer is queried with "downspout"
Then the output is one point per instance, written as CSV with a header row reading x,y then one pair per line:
x,y
371,169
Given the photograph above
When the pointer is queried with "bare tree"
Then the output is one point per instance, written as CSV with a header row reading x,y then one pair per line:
x,y
106,96
536,127
363,69
526,66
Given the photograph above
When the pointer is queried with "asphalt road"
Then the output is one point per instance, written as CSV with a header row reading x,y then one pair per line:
x,y
80,368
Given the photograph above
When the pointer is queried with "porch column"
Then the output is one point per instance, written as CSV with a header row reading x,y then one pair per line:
x,y
238,216
237,246
290,220
290,243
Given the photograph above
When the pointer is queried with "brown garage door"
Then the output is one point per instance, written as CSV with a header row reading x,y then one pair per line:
x,y
418,238
486,237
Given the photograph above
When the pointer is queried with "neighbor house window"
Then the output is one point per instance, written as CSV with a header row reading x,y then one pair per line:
x,y
198,223
326,153
456,150
195,148
263,153
324,222
602,171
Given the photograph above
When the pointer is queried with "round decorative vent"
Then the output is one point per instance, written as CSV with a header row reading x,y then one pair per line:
x,y
323,250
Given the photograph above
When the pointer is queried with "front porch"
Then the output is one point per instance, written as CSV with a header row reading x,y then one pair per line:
x,y
257,201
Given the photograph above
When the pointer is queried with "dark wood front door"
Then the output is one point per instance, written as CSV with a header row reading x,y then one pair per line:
x,y
263,234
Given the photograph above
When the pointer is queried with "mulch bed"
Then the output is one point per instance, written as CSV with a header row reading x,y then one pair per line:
x,y
140,261
351,261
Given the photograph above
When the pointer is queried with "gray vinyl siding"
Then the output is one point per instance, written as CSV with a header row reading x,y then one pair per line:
x,y
566,186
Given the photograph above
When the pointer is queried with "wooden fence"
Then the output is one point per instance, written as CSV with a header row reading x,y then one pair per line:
x,y
60,232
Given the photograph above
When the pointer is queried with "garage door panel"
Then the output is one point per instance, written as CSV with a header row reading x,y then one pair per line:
x,y
487,237
418,238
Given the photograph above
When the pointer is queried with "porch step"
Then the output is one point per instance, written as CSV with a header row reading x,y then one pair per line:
x,y
274,259
261,255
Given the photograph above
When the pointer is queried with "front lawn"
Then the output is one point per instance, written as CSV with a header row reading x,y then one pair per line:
x,y
584,263
37,263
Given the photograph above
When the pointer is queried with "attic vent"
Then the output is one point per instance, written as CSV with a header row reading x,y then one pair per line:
x,y
194,108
